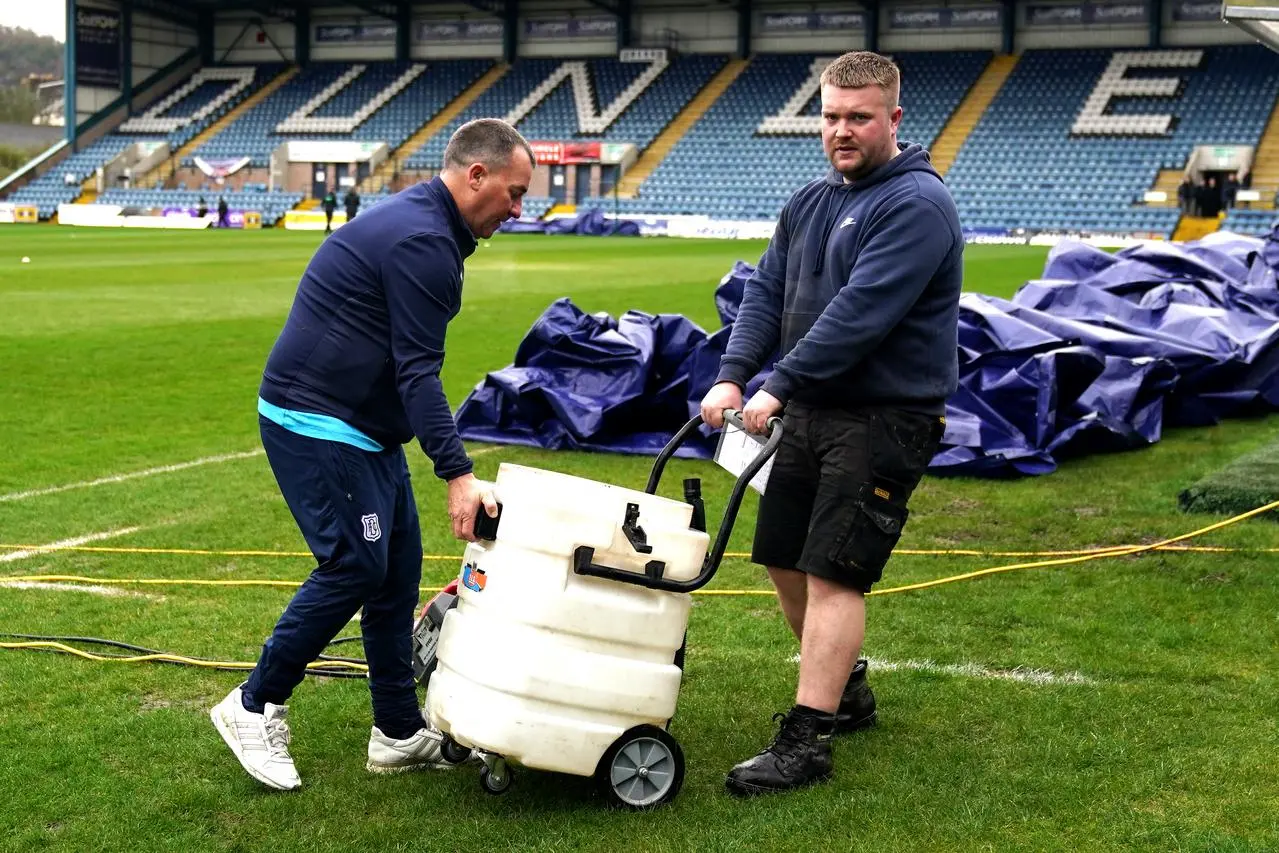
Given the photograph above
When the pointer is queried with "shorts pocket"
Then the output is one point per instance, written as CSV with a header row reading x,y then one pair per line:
x,y
903,445
874,527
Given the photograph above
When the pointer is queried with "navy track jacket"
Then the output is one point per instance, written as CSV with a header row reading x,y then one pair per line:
x,y
859,292
364,341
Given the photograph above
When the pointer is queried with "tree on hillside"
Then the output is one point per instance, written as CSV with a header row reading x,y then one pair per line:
x,y
17,105
22,52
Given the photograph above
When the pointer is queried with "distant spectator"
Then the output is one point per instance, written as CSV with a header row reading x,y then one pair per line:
x,y
1209,198
1229,190
202,208
330,204
1185,196
224,214
352,203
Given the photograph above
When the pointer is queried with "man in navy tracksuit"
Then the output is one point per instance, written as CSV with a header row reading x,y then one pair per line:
x,y
859,293
354,375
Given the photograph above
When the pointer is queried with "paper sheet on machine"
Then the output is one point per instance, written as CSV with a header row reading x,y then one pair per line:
x,y
737,449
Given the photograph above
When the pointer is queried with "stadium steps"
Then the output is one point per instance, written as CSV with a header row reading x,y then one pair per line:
x,y
1195,227
946,146
561,208
1265,163
165,170
308,204
1167,181
88,191
684,120
380,176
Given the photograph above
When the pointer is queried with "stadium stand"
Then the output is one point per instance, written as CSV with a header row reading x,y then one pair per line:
x,y
726,167
556,114
176,118
373,102
1256,223
1053,151
62,183
1022,167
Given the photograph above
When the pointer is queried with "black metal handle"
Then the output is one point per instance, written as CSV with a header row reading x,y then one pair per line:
x,y
583,557
485,526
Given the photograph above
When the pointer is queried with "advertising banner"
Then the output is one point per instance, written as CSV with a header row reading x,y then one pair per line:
x,y
789,22
560,28
1085,13
469,31
956,18
235,216
566,153
1196,10
97,48
354,33
331,151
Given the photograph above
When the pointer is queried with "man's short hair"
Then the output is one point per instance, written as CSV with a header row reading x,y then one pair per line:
x,y
490,141
861,68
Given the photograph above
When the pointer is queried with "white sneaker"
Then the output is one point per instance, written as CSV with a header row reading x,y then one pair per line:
x,y
259,741
420,752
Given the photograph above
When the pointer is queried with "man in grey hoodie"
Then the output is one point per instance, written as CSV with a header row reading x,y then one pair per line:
x,y
858,293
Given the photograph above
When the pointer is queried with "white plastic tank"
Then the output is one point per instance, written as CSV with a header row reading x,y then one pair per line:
x,y
547,667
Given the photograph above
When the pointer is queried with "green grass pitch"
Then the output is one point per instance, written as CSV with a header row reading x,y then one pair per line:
x,y
1118,704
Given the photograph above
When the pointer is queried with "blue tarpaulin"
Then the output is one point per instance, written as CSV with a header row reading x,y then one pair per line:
x,y
1097,355
590,223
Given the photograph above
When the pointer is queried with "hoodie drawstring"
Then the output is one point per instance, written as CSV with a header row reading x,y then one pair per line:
x,y
830,228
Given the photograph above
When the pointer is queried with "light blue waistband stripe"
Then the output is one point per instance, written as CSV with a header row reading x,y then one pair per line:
x,y
312,425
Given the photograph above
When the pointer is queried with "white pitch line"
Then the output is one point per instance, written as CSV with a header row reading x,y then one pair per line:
x,y
73,587
133,475
1021,674
162,469
67,543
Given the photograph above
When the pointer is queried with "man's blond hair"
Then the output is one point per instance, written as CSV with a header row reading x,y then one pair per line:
x,y
862,68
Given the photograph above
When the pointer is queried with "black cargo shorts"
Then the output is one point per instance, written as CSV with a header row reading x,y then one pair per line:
x,y
835,503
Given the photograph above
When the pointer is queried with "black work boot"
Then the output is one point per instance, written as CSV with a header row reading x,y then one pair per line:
x,y
857,705
799,755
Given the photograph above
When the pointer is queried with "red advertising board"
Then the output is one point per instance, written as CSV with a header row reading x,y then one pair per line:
x,y
565,153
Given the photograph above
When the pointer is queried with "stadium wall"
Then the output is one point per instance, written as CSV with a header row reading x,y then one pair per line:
x,y
1197,23
344,35
577,28
922,26
788,28
699,32
455,31
156,43
233,44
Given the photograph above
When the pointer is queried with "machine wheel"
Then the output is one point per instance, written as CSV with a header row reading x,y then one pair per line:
x,y
452,751
643,769
494,783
